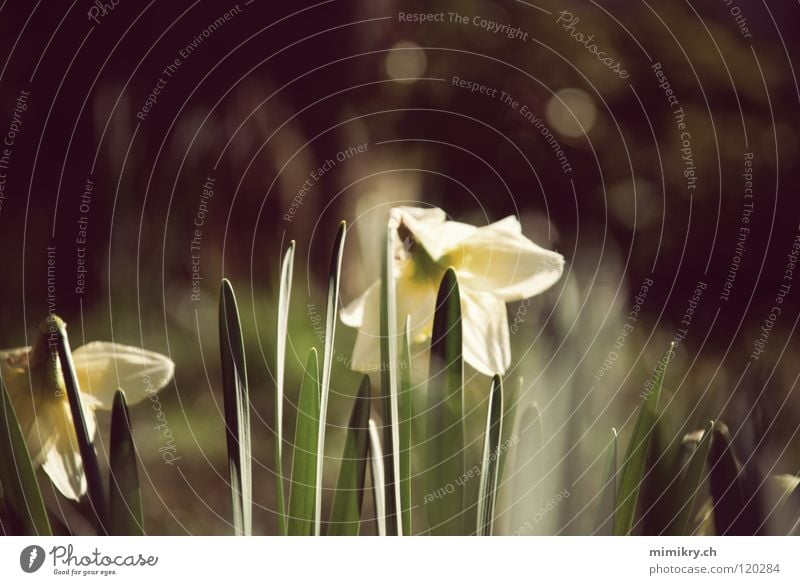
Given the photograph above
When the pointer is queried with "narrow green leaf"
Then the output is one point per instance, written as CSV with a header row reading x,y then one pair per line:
x,y
378,477
737,509
332,306
237,410
491,457
284,298
23,500
445,437
661,497
304,463
406,416
608,492
349,497
125,494
635,463
331,311
389,387
691,482
91,468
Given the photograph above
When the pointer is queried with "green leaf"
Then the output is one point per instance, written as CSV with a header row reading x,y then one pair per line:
x,y
445,437
125,494
389,387
332,306
661,497
304,463
691,482
91,468
635,462
608,492
284,298
237,410
491,457
23,499
349,497
378,477
406,416
737,509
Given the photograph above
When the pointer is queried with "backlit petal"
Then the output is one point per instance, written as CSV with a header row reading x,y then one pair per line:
x,y
364,314
103,367
484,322
497,259
353,314
62,462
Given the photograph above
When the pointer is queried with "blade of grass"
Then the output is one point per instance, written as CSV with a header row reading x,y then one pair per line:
x,y
378,477
284,298
661,497
237,410
23,500
445,440
691,482
332,306
125,494
635,463
91,468
389,388
608,492
737,510
406,416
304,462
491,457
349,497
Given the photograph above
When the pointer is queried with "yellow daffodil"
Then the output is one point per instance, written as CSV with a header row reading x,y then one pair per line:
x,y
35,384
495,264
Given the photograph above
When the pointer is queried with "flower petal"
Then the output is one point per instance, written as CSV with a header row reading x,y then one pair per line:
x,y
364,313
499,260
484,324
429,228
417,301
353,314
62,462
102,367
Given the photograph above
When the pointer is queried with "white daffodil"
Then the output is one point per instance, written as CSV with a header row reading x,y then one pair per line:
x,y
495,264
35,385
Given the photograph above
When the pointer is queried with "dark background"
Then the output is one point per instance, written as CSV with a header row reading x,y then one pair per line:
x,y
278,90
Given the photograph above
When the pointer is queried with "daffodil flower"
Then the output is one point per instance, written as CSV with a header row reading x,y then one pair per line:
x,y
495,264
35,385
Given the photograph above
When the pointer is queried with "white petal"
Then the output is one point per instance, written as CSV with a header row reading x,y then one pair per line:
x,y
419,302
484,323
499,260
36,419
102,367
353,314
429,228
366,316
62,462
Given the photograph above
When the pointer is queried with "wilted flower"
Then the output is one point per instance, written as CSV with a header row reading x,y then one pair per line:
x,y
495,264
35,384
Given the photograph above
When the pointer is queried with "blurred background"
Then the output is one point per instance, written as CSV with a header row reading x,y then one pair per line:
x,y
273,122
